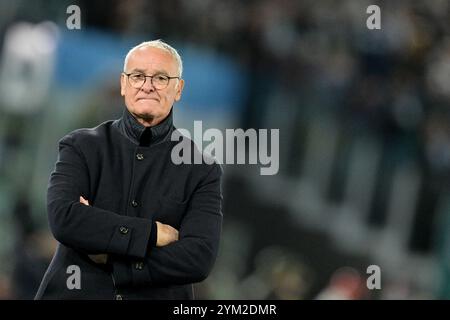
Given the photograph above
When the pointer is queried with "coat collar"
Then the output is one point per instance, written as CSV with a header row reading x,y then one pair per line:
x,y
141,135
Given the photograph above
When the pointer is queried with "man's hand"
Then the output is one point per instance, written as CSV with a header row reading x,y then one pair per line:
x,y
97,258
84,201
166,234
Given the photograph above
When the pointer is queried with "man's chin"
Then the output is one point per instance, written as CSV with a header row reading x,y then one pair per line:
x,y
146,111
152,115
149,117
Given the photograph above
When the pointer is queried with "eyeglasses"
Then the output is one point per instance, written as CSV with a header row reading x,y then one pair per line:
x,y
159,81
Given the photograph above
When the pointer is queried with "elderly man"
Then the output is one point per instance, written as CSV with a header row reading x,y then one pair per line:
x,y
130,223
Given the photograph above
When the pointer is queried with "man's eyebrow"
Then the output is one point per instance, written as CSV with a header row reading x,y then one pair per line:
x,y
160,72
138,70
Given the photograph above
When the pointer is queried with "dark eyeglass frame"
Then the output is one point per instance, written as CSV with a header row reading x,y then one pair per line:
x,y
151,79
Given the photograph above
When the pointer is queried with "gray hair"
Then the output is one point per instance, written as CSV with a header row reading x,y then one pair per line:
x,y
160,45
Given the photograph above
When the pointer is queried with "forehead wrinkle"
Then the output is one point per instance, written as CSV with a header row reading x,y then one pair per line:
x,y
152,63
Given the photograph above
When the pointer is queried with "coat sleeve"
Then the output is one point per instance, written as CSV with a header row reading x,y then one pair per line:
x,y
86,228
191,258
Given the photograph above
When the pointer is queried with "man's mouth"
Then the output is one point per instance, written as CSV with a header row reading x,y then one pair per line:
x,y
148,98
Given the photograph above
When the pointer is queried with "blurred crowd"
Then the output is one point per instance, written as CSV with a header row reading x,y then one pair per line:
x,y
364,149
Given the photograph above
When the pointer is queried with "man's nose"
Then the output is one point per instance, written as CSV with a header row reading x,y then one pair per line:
x,y
148,86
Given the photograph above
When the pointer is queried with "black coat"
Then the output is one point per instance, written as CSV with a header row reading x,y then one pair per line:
x,y
125,172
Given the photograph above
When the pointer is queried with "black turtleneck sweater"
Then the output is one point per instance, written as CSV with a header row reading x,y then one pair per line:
x,y
125,171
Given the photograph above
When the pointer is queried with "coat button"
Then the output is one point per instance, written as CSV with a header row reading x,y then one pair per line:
x,y
140,156
139,265
123,230
119,297
134,203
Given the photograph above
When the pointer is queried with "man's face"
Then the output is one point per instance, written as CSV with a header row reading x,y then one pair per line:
x,y
149,105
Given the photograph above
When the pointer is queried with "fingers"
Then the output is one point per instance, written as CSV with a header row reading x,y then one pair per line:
x,y
84,201
176,234
173,233
166,234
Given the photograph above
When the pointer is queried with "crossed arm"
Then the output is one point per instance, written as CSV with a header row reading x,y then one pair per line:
x,y
179,257
166,234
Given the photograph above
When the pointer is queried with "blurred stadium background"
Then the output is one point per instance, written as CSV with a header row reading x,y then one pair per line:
x,y
364,134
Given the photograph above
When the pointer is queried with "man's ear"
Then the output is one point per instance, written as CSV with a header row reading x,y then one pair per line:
x,y
123,84
179,89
